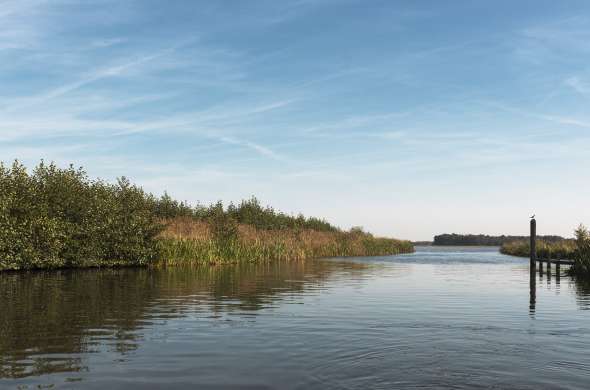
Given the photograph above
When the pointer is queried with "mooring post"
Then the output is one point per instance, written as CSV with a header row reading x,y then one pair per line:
x,y
533,243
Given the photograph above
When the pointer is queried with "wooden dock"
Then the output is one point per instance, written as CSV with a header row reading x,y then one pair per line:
x,y
544,267
534,259
556,261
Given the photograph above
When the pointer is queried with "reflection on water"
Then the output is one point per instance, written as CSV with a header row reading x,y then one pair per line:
x,y
441,317
49,316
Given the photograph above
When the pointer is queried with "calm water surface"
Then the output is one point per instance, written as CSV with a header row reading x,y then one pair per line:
x,y
438,318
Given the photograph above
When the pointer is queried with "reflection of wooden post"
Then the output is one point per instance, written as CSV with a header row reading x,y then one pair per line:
x,y
532,291
533,243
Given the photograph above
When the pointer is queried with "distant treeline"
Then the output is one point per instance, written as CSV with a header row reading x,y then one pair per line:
x,y
422,243
485,240
56,218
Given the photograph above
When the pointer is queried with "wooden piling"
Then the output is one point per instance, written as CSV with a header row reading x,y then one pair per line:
x,y
533,244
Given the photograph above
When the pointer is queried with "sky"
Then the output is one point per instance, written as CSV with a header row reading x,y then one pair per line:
x,y
409,118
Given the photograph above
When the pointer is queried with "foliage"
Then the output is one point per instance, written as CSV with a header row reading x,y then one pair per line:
x,y
484,240
247,212
59,218
56,218
581,266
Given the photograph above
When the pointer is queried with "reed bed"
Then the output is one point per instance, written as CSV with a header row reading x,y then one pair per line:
x,y
565,249
186,241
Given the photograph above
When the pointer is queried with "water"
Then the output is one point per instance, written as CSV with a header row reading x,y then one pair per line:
x,y
439,318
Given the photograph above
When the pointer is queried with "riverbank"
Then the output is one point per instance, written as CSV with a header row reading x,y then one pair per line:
x,y
59,218
577,249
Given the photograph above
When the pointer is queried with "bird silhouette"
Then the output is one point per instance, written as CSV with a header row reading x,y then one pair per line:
x,y
533,216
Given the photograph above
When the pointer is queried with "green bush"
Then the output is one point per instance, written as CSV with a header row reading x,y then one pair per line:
x,y
56,217
581,266
247,212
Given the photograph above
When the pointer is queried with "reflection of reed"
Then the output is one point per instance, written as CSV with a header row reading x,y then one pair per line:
x,y
77,311
582,287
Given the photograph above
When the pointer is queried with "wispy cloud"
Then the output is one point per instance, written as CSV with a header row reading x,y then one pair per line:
x,y
107,42
558,119
19,23
260,149
567,34
578,85
553,41
89,78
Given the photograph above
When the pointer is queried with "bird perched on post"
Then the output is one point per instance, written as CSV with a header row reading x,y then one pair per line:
x,y
533,216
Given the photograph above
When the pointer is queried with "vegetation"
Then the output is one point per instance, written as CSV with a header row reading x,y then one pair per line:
x,y
187,240
577,249
485,240
59,218
248,212
581,267
564,249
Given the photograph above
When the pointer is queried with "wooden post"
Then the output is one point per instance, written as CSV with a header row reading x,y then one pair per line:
x,y
533,243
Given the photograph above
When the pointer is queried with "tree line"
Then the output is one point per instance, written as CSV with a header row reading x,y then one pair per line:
x,y
485,240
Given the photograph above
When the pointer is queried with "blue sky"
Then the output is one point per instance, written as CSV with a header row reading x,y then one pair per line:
x,y
410,118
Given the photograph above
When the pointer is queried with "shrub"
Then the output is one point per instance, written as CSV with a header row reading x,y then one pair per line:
x,y
582,258
59,218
